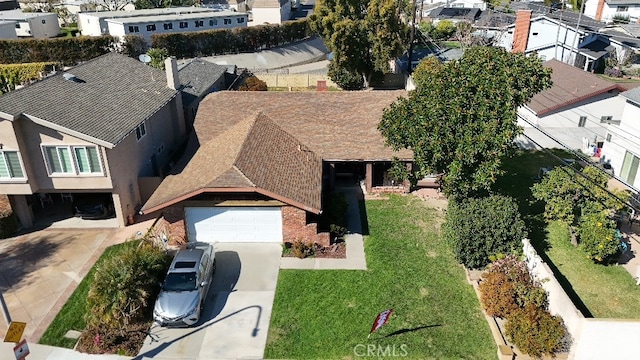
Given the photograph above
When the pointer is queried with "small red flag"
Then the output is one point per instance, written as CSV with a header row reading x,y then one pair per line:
x,y
381,319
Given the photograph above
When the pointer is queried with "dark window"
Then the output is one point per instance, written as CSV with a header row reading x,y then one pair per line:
x,y
240,20
17,25
608,137
133,29
582,121
227,21
185,265
606,119
199,23
140,131
168,26
213,22
184,24
151,27
44,21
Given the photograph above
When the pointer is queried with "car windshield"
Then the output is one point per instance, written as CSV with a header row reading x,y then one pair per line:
x,y
180,282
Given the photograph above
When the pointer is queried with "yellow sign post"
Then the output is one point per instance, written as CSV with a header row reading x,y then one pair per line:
x,y
14,334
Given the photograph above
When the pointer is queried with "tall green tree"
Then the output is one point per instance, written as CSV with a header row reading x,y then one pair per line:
x,y
362,34
461,119
155,4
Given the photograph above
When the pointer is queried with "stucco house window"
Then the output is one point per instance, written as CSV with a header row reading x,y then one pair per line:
x,y
168,26
10,165
227,21
582,122
240,20
72,160
184,24
199,23
133,29
141,131
622,8
151,27
213,22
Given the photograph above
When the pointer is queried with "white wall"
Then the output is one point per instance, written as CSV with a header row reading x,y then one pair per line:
x,y
593,339
91,25
117,28
610,11
8,30
624,137
563,124
473,4
271,15
543,34
45,26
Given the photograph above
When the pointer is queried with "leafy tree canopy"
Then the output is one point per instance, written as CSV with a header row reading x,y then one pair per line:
x,y
461,119
154,4
362,34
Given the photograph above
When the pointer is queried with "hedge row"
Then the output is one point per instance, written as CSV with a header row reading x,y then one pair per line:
x,y
67,50
17,74
226,41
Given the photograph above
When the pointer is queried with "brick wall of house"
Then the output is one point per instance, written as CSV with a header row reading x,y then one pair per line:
x,y
389,190
295,227
172,223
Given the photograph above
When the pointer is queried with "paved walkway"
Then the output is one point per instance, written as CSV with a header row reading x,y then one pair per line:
x,y
355,245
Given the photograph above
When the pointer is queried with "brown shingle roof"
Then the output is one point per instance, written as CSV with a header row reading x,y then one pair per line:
x,y
334,125
254,154
570,85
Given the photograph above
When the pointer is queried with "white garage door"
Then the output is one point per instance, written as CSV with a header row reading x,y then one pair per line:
x,y
234,224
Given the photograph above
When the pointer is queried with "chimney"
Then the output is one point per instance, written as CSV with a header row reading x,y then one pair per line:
x,y
171,68
521,32
599,10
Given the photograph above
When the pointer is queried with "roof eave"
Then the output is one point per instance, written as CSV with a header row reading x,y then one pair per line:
x,y
65,130
7,116
227,190
565,104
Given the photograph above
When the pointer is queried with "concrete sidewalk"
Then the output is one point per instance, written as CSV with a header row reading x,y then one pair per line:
x,y
355,243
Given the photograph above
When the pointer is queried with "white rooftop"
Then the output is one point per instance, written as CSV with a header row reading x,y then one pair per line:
x,y
147,12
17,14
173,17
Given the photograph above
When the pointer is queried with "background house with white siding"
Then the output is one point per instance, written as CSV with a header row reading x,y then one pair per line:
x,y
32,24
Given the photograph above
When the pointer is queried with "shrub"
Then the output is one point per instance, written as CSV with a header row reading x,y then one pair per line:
x,y
347,80
66,50
479,228
508,286
613,72
8,220
535,331
598,236
301,249
252,83
124,286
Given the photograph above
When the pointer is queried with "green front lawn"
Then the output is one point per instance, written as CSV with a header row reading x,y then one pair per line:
x,y
598,291
71,316
605,291
328,314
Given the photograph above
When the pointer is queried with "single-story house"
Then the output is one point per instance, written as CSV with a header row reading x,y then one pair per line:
x,y
260,163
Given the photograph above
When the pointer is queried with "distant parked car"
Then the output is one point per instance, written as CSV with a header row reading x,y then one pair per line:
x,y
185,288
93,206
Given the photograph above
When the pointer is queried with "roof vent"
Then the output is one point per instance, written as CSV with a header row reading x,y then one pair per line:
x,y
71,77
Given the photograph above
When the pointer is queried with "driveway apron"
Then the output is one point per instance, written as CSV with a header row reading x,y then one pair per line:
x,y
235,320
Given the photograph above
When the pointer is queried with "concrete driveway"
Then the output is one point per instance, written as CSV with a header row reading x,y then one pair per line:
x,y
40,270
235,320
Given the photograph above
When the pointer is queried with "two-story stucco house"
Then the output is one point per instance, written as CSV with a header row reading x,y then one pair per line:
x,y
622,143
97,129
576,110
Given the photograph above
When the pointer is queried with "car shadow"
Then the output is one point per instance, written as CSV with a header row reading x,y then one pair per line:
x,y
228,267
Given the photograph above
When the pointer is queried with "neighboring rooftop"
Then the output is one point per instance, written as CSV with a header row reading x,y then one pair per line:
x,y
571,85
597,48
102,100
633,95
197,77
252,154
455,13
177,16
17,14
335,125
147,12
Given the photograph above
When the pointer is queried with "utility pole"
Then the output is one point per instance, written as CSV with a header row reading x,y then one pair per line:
x,y
575,35
5,311
412,36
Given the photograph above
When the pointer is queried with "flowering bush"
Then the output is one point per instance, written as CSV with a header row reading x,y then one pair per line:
x,y
598,236
613,72
508,286
535,331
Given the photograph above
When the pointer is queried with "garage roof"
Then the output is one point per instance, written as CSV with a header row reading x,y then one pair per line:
x,y
253,155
